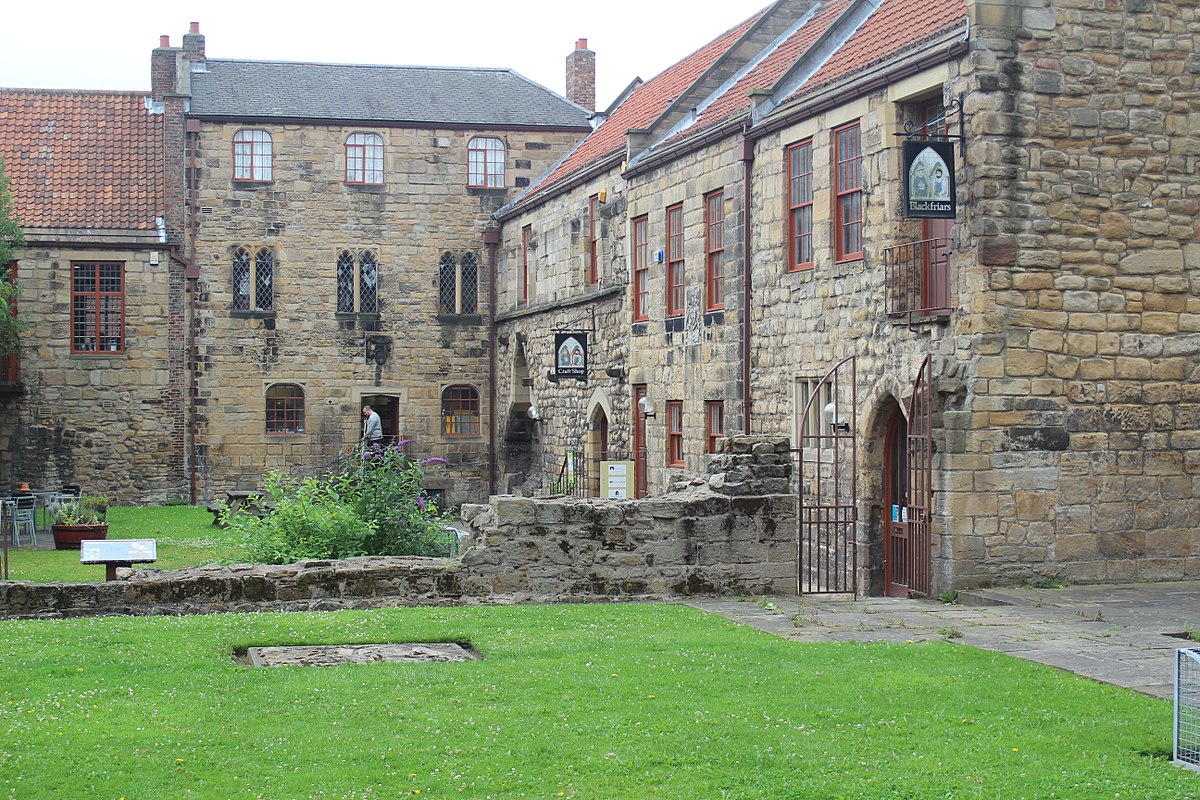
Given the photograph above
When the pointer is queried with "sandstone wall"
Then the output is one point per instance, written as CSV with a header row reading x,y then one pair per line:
x,y
308,214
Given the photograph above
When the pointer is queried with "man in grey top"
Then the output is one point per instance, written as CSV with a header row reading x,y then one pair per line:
x,y
372,428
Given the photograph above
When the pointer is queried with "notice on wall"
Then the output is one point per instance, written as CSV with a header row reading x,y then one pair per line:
x,y
618,479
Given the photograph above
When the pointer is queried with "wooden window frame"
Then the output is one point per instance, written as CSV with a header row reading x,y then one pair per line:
x,y
460,410
714,420
285,414
641,268
714,246
676,274
674,413
100,343
846,192
255,164
365,150
594,239
800,205
523,277
485,162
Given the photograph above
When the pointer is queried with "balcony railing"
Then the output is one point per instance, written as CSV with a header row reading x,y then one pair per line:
x,y
918,278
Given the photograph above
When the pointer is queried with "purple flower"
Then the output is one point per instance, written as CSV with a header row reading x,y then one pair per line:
x,y
400,444
368,454
434,460
421,502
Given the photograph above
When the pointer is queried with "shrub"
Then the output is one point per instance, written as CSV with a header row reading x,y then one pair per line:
x,y
385,487
308,520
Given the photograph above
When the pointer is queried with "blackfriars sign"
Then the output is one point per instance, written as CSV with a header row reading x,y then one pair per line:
x,y
928,179
570,355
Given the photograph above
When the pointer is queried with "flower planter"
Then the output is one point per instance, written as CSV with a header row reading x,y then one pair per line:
x,y
68,537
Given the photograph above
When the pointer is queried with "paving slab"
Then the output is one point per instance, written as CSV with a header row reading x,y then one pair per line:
x,y
1113,634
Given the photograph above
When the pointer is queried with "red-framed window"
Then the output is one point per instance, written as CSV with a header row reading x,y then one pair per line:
x,y
674,433
848,194
594,239
364,159
641,269
98,307
714,245
714,416
675,299
285,408
10,364
460,411
523,277
485,163
252,155
800,206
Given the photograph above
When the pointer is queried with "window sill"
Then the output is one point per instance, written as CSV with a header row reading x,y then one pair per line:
x,y
802,269
460,319
716,317
673,325
252,314
237,184
97,353
288,435
639,328
487,191
366,188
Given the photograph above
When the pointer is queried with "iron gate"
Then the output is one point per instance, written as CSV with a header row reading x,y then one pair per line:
x,y
919,561
826,559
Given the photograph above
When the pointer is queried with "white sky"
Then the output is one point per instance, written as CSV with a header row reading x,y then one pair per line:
x,y
84,44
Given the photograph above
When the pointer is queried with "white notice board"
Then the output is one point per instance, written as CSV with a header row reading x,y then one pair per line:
x,y
616,479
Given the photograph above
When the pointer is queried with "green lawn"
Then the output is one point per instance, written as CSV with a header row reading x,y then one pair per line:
x,y
604,702
186,537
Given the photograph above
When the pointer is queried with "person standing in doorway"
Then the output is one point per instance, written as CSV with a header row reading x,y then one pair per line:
x,y
372,428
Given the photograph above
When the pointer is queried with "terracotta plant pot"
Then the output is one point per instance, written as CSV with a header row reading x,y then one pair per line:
x,y
68,537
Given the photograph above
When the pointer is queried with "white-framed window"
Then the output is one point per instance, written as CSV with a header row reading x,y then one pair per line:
x,y
485,163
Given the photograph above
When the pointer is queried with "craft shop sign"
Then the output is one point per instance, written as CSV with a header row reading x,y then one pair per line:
x,y
929,179
570,356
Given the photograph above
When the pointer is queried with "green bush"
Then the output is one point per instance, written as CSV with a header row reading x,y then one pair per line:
x,y
373,505
308,520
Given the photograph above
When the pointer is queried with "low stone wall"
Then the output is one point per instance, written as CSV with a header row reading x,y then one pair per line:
x,y
732,532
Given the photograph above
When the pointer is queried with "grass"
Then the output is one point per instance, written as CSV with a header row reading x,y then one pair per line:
x,y
606,702
186,538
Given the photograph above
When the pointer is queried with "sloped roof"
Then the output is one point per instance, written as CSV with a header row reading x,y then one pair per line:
x,y
896,26
82,160
431,95
640,109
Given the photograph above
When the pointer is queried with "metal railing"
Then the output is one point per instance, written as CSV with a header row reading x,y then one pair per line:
x,y
918,278
579,475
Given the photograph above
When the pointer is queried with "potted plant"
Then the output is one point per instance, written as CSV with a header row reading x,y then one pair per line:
x,y
80,519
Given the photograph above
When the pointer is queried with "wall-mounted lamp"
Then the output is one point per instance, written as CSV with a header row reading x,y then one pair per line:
x,y
617,372
646,407
534,415
835,422
552,376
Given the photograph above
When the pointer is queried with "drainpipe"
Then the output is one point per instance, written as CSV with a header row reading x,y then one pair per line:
x,y
192,137
491,240
746,154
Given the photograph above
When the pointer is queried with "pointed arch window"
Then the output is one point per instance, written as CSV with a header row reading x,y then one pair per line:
x,y
364,159
357,282
253,279
458,284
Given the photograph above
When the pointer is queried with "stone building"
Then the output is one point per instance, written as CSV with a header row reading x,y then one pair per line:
x,y
318,229
1005,395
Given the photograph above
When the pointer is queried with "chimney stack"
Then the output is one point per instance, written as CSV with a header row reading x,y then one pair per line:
x,y
581,76
162,69
193,44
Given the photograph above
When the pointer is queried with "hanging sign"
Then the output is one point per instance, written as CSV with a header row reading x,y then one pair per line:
x,y
929,179
570,356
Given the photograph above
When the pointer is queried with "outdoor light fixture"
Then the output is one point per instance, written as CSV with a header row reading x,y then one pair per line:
x,y
836,423
534,414
615,372
646,407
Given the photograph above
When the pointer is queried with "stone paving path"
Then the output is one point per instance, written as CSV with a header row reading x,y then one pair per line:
x,y
1118,634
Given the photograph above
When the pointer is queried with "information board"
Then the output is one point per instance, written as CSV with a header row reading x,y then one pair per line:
x,y
618,479
121,551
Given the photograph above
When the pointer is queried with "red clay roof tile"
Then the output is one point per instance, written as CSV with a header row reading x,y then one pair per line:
x,y
78,159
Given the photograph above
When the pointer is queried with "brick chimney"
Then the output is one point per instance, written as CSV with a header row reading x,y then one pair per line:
x,y
193,44
581,76
162,69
